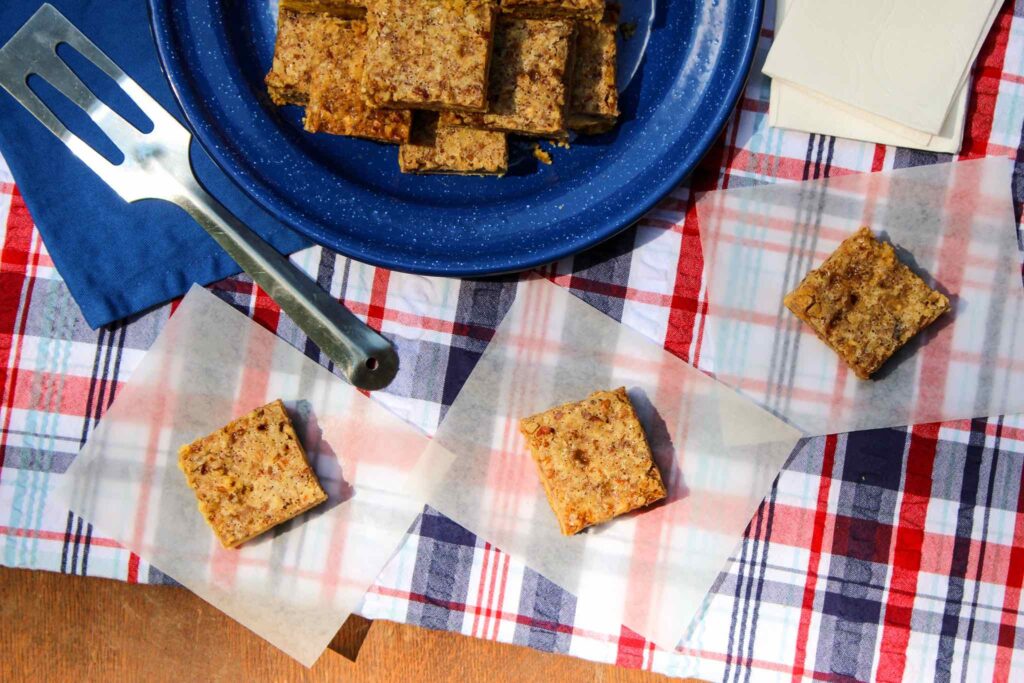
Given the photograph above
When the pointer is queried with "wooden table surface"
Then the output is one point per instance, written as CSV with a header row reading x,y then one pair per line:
x,y
64,628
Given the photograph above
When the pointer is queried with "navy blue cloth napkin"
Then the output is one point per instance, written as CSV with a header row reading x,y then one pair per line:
x,y
116,258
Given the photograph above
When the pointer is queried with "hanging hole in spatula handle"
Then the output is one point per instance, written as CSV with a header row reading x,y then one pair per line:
x,y
363,356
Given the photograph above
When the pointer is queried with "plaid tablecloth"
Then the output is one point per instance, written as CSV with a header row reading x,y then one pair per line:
x,y
893,554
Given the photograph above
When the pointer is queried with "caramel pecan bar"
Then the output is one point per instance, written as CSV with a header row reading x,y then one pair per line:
x,y
593,459
864,303
251,475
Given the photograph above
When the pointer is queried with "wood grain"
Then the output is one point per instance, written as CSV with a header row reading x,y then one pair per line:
x,y
58,627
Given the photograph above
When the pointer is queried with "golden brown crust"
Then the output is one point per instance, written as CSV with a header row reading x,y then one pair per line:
x,y
591,10
527,93
347,9
433,148
864,303
429,54
251,475
335,105
297,52
593,459
594,96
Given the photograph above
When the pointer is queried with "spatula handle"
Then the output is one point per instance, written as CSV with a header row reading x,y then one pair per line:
x,y
364,357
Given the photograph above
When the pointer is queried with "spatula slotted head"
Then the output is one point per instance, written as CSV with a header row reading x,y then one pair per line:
x,y
32,51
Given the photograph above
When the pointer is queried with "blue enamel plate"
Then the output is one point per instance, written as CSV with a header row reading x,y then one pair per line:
x,y
685,64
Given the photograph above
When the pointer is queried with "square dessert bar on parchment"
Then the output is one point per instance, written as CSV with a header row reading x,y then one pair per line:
x,y
864,303
593,459
250,475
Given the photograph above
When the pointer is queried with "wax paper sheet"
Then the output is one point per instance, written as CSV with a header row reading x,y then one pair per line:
x,y
952,223
296,584
718,454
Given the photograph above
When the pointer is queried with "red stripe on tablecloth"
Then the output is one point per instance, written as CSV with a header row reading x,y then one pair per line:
x,y
133,568
691,239
265,310
878,160
376,312
753,104
1011,596
731,148
425,322
988,73
161,409
60,536
817,540
779,167
174,305
906,553
509,467
71,401
14,278
686,302
502,582
504,475
1006,432
481,584
253,392
1012,78
489,610
630,652
575,281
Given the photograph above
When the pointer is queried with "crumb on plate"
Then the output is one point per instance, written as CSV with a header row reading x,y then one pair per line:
x,y
542,155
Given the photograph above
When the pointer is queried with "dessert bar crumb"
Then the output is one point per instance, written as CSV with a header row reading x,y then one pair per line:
x,y
542,155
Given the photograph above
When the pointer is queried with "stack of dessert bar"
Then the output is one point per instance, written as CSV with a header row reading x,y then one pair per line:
x,y
448,80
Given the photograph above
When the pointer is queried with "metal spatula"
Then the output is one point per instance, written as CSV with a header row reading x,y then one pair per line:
x,y
156,166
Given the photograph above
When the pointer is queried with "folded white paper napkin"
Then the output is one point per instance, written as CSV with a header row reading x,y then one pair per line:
x,y
894,71
797,108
